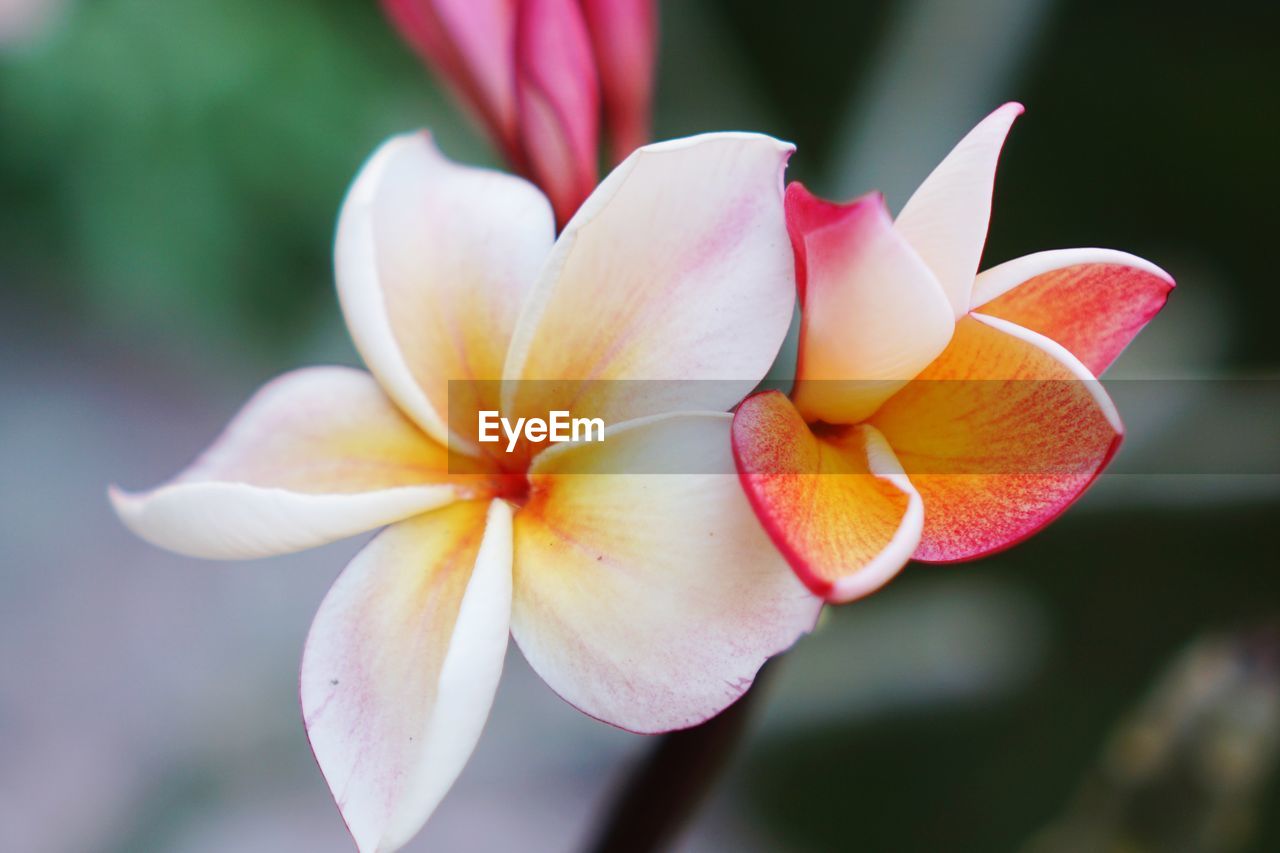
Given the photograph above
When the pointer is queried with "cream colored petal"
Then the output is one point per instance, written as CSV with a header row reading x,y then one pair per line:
x,y
676,268
650,600
402,663
946,219
433,262
317,455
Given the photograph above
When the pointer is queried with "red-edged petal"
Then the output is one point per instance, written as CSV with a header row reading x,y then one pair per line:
x,y
999,435
873,315
1092,301
946,219
401,666
624,34
558,100
836,504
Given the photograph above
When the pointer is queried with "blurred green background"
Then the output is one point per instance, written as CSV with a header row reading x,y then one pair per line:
x,y
170,173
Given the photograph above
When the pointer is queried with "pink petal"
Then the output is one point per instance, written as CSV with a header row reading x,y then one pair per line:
x,y
836,504
433,261
471,44
999,436
1092,301
676,268
402,663
946,219
650,600
558,99
624,34
317,455
873,315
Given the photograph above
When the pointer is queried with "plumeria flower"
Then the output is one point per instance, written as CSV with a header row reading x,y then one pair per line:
x,y
647,600
538,73
936,416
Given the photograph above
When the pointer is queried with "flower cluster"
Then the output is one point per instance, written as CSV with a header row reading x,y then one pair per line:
x,y
938,414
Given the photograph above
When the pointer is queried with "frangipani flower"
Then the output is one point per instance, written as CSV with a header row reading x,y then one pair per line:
x,y
936,416
646,600
536,73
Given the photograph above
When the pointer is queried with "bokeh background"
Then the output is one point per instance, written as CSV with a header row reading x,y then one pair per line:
x,y
170,172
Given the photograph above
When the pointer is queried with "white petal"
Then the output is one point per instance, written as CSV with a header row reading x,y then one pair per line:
x,y
946,219
234,521
402,663
676,268
317,455
433,260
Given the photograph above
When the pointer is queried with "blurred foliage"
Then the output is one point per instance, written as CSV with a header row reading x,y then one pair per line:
x,y
180,163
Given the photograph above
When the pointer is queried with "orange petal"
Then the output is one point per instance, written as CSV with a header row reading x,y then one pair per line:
x,y
1092,301
999,435
836,504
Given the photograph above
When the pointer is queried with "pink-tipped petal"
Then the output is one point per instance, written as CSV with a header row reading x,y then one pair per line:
x,y
650,600
624,34
471,44
558,99
1092,301
676,268
946,219
837,505
433,261
873,315
317,455
401,666
999,436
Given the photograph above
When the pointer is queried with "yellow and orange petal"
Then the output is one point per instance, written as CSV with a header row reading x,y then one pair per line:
x,y
835,503
999,435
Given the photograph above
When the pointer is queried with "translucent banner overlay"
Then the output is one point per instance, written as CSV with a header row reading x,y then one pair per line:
x,y
997,427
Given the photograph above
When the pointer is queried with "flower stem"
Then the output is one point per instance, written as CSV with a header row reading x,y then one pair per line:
x,y
666,788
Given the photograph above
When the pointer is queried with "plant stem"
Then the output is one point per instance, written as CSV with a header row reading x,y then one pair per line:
x,y
669,784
